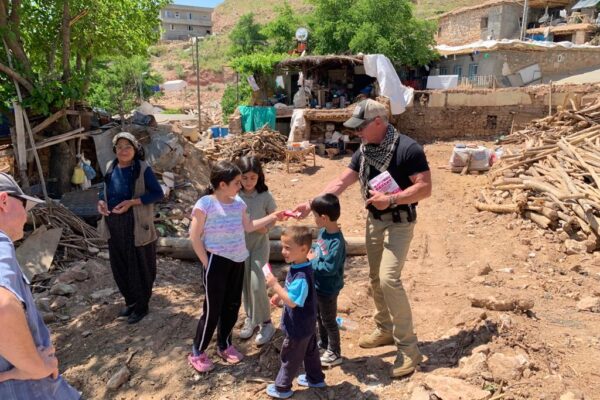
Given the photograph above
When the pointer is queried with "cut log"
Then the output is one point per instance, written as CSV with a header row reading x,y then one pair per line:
x,y
181,248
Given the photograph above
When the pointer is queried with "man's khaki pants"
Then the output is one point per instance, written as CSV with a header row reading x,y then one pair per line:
x,y
387,246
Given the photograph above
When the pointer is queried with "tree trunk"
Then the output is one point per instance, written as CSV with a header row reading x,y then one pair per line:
x,y
9,30
62,161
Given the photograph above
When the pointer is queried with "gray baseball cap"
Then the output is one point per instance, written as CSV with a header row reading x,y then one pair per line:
x,y
128,136
364,111
10,186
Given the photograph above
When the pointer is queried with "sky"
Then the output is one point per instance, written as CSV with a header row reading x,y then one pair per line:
x,y
198,3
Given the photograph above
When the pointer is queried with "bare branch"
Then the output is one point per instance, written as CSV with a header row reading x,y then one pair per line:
x,y
15,75
10,23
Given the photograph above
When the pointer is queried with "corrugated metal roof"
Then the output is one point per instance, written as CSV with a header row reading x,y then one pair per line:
x,y
585,4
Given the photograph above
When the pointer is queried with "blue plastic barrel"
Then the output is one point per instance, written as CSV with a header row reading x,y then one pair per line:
x,y
215,131
224,131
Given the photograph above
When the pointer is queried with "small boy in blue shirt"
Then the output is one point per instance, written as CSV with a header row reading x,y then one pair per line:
x,y
328,256
299,316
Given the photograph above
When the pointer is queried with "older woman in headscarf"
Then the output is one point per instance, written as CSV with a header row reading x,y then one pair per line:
x,y
126,206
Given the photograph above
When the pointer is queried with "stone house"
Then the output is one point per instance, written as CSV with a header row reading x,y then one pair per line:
x,y
546,20
182,22
514,63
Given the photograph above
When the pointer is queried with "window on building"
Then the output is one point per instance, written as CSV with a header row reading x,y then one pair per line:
x,y
169,14
208,32
190,28
190,15
491,122
443,70
458,70
473,69
484,22
176,14
172,27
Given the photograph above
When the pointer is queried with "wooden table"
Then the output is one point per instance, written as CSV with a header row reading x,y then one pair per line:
x,y
301,154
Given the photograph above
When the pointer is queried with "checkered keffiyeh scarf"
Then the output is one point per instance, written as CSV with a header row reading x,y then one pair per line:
x,y
377,156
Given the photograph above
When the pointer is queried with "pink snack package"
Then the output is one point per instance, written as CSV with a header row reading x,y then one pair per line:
x,y
290,213
267,269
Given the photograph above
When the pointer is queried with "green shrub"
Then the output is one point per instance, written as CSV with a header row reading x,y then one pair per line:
x,y
229,100
181,74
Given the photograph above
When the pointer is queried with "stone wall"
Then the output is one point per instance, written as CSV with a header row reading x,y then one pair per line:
x,y
444,115
554,63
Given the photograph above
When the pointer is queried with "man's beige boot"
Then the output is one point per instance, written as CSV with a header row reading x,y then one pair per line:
x,y
404,365
376,338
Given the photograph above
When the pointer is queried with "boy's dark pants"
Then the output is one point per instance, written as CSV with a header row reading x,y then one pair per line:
x,y
329,332
293,353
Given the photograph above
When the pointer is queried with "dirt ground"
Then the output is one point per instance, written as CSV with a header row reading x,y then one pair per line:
x,y
452,242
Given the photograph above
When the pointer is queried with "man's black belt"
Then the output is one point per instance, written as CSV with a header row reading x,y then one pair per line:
x,y
410,209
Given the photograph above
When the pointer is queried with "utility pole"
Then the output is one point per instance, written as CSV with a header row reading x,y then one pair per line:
x,y
524,21
197,62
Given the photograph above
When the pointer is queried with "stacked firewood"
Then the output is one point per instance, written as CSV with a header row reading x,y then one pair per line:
x,y
550,129
266,144
554,180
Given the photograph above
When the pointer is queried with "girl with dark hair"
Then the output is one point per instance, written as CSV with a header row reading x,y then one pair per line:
x,y
219,220
127,209
260,203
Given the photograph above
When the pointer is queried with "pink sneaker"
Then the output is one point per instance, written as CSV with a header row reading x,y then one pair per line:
x,y
231,355
201,363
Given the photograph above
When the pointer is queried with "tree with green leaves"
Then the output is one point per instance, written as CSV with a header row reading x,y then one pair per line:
x,y
372,26
117,85
281,30
245,36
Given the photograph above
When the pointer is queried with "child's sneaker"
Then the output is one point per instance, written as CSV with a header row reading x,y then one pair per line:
x,y
265,334
201,363
303,381
330,359
273,392
230,354
247,330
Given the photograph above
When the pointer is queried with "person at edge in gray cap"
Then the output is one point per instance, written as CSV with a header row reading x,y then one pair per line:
x,y
390,222
28,364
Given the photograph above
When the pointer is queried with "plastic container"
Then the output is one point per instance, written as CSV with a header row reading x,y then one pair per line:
x,y
215,131
346,324
224,131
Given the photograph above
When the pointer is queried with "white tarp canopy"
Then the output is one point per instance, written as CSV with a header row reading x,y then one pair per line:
x,y
442,81
380,67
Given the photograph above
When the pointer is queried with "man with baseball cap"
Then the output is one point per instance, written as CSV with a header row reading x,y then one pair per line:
x,y
390,222
28,365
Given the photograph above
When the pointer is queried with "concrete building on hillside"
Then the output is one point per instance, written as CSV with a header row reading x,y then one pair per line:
x,y
182,22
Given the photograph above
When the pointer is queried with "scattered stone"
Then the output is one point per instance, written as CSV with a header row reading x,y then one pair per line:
x,y
86,333
43,304
420,393
506,322
572,395
479,280
48,317
468,315
482,348
510,304
507,270
507,368
575,247
484,270
104,255
62,289
452,388
118,379
472,365
58,303
589,303
101,294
